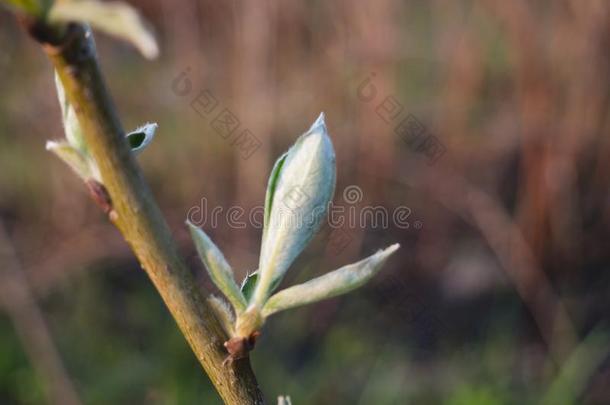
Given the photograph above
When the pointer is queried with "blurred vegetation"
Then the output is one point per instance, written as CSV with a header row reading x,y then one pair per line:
x,y
484,304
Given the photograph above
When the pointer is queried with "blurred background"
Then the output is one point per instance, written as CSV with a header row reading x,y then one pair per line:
x,y
485,123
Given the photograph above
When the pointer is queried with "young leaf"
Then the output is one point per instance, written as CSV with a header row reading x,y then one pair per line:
x,y
114,18
300,188
72,128
249,284
218,268
329,285
72,156
223,313
74,152
140,138
248,322
271,185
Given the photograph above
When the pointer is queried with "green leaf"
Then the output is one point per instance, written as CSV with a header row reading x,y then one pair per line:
x,y
219,270
329,285
271,185
141,137
301,185
249,284
114,18
73,157
135,139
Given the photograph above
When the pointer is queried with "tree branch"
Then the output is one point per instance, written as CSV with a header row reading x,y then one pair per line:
x,y
133,210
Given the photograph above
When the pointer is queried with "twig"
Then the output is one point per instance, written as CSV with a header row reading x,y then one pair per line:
x,y
133,210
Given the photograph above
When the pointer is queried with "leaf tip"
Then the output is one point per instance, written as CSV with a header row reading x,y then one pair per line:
x,y
392,248
194,229
383,254
319,124
150,49
50,145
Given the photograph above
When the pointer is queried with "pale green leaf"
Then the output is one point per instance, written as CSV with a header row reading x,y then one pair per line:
x,y
72,128
114,18
219,270
75,138
300,189
73,157
140,138
223,313
329,285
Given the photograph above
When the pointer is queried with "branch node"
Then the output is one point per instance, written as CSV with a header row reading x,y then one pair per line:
x,y
101,197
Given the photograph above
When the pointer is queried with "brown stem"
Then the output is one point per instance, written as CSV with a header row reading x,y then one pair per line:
x,y
134,212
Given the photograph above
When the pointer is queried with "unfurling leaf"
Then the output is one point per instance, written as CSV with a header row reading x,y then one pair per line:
x,y
271,185
140,137
72,128
114,18
219,270
74,152
300,188
329,285
223,313
249,284
72,156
